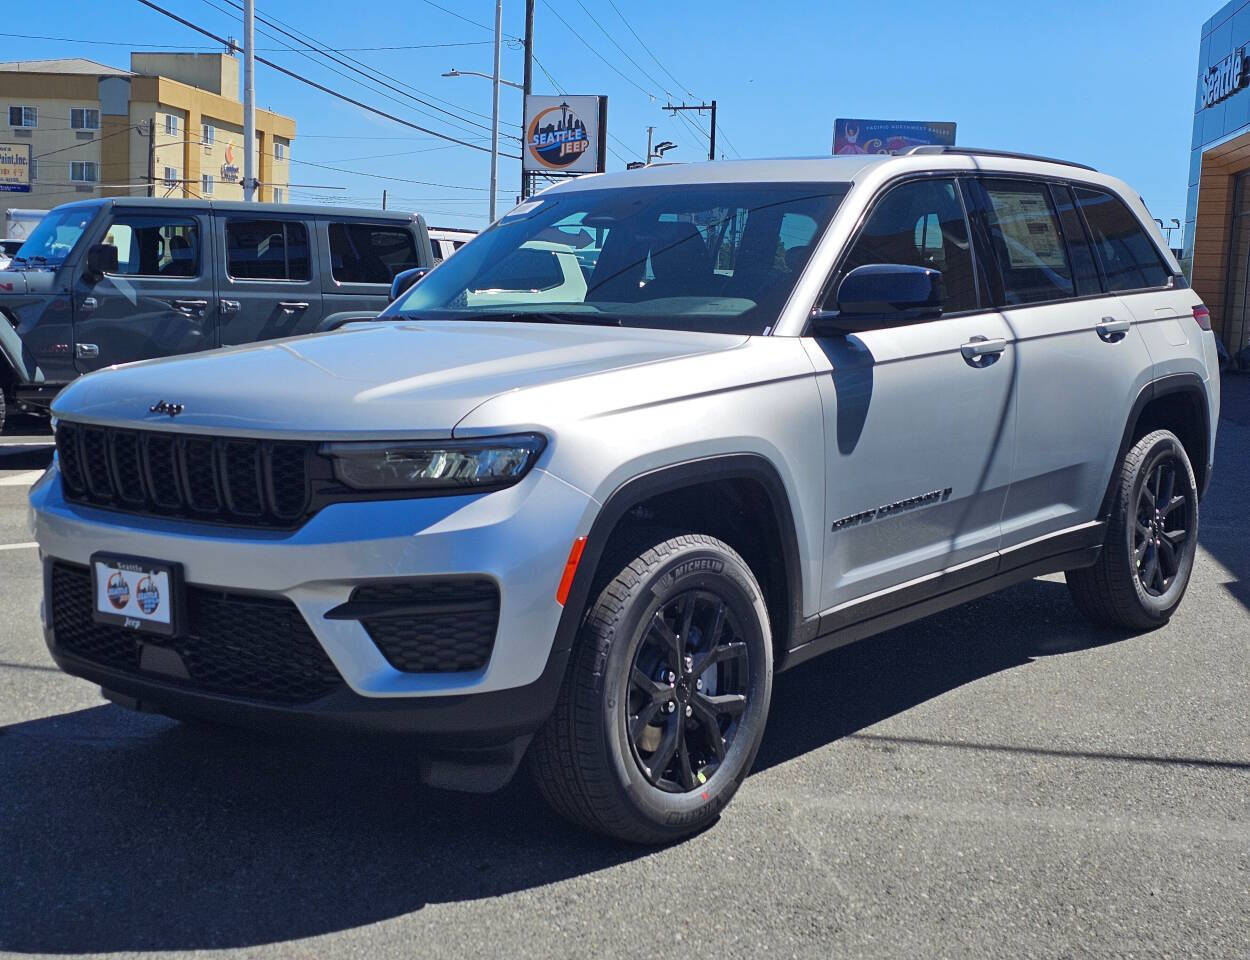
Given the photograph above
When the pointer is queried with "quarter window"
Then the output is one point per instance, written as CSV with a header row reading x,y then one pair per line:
x,y
84,118
155,246
266,250
365,253
23,116
1125,252
921,224
1028,244
1084,272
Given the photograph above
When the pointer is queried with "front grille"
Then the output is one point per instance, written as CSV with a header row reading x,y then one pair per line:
x,y
430,626
238,644
233,480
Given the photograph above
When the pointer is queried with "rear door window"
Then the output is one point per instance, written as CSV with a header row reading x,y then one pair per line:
x,y
370,253
1027,241
1126,254
267,250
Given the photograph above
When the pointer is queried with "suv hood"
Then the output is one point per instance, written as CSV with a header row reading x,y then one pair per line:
x,y
15,282
413,379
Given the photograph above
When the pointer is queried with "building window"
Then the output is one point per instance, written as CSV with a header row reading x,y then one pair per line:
x,y
206,184
171,124
279,150
84,171
84,118
279,195
207,134
171,176
23,116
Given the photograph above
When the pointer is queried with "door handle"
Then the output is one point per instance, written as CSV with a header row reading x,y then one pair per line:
x,y
89,303
87,351
1112,330
980,352
230,306
290,306
190,306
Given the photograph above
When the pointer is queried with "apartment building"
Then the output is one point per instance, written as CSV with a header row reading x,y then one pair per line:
x,y
171,125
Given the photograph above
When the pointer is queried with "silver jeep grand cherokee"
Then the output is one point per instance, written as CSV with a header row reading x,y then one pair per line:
x,y
648,439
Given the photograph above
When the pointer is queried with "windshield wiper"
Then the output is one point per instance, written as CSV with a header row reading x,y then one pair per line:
x,y
524,316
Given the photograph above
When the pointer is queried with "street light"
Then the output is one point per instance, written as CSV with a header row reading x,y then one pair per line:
x,y
663,147
487,76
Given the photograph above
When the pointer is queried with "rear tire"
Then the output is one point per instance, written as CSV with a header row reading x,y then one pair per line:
x,y
665,701
4,404
1151,541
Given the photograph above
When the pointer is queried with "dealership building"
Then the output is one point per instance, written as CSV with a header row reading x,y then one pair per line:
x,y
170,126
1217,214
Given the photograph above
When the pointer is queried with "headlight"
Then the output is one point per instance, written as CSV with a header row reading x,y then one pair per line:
x,y
489,462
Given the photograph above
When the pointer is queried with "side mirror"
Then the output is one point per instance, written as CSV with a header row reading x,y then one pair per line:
x,y
405,280
883,294
101,259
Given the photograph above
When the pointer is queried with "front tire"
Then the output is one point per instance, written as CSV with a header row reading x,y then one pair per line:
x,y
1152,538
664,705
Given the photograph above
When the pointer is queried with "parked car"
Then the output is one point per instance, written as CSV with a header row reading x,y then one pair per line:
x,y
447,240
799,402
8,250
112,281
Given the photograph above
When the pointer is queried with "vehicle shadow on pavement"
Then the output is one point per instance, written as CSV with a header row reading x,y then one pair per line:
x,y
123,832
854,687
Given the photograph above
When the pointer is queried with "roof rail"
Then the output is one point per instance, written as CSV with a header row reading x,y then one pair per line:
x,y
980,152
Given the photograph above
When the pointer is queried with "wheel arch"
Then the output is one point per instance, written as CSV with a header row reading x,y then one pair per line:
x,y
1177,402
782,584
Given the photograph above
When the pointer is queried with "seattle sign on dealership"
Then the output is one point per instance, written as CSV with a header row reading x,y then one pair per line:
x,y
1225,78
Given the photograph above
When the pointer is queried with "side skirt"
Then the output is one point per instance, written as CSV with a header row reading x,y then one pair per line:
x,y
863,617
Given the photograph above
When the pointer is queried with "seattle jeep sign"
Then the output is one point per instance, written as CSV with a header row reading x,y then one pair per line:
x,y
1225,78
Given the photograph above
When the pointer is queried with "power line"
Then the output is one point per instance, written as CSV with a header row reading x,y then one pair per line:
x,y
644,46
174,46
370,76
324,89
586,43
458,16
379,176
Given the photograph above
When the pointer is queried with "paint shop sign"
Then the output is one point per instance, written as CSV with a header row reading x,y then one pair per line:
x,y
1225,78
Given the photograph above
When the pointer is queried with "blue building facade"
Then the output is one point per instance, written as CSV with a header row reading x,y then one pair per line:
x,y
1216,253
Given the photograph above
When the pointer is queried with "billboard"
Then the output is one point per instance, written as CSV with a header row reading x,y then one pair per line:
x,y
15,167
889,136
565,134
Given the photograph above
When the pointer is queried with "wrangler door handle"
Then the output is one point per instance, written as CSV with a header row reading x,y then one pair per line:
x,y
290,306
191,306
980,352
87,351
230,306
1111,330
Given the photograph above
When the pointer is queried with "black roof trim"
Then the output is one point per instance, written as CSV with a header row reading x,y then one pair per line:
x,y
241,206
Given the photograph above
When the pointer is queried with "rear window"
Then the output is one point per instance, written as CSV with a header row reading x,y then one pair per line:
x,y
1125,252
266,250
370,253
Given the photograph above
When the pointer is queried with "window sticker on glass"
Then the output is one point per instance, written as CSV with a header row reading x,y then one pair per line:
x,y
521,210
1028,229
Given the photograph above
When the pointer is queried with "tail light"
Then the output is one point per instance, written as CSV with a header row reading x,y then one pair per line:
x,y
1203,316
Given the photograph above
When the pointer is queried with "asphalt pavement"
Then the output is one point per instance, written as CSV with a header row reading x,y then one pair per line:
x,y
1000,780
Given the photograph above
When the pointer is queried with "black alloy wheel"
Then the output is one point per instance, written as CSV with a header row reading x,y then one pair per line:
x,y
1162,523
689,684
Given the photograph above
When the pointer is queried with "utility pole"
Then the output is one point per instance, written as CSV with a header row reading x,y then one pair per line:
x,y
494,114
383,199
152,157
527,86
249,99
650,131
711,150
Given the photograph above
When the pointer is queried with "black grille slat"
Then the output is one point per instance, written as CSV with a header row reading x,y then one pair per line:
x,y
160,457
199,470
95,461
153,472
69,457
441,626
242,477
242,645
127,466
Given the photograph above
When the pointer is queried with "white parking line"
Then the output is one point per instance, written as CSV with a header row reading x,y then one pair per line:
x,y
23,479
18,546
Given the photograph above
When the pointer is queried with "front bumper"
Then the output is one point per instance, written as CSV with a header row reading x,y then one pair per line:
x,y
518,537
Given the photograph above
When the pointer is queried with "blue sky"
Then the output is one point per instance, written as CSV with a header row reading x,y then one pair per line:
x,y
1106,82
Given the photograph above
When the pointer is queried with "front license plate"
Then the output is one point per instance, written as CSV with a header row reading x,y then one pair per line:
x,y
136,593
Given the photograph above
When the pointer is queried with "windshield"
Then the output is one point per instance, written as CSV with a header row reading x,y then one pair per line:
x,y
55,236
719,258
